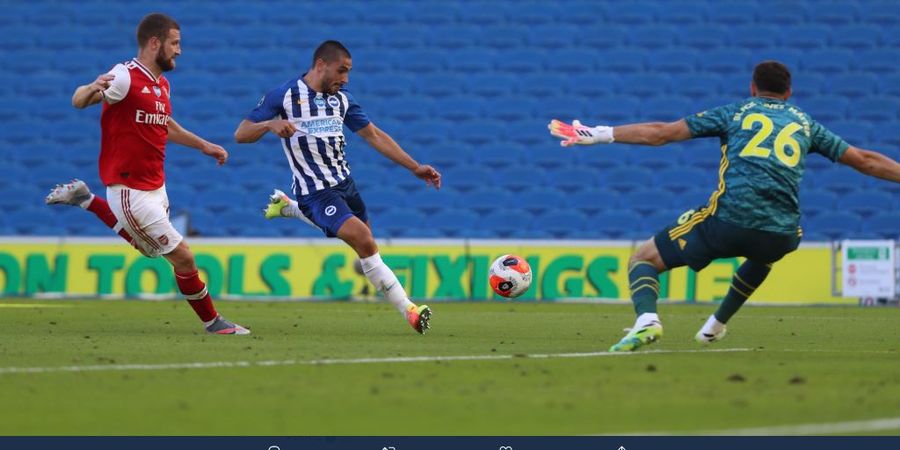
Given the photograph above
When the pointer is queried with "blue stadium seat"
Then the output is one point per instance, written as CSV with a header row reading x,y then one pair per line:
x,y
468,61
623,61
856,37
683,13
834,225
833,14
573,61
879,61
884,225
788,14
518,178
646,201
574,179
646,85
856,85
616,109
726,61
679,179
731,14
615,225
611,36
543,84
452,37
436,15
817,202
561,223
665,109
506,223
826,109
890,85
594,84
878,110
704,37
654,37
827,61
452,223
552,37
673,62
807,37
534,14
483,14
867,204
627,179
396,223
883,13
757,37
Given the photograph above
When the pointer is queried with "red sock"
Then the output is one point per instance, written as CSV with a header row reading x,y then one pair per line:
x,y
101,209
196,295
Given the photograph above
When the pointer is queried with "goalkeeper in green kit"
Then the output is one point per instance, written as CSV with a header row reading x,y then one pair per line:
x,y
754,211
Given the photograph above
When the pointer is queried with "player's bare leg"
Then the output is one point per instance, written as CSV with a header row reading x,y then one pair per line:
x,y
644,267
358,236
188,279
77,193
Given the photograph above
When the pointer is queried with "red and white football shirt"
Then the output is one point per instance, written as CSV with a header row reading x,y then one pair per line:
x,y
134,128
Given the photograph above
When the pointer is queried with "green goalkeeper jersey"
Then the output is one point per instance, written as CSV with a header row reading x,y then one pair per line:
x,y
764,144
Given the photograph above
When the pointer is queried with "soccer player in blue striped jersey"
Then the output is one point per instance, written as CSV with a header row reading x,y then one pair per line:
x,y
754,212
309,113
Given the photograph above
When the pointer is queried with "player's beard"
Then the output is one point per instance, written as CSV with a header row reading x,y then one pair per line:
x,y
165,63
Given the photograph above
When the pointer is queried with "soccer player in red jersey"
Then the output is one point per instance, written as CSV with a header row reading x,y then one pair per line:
x,y
135,125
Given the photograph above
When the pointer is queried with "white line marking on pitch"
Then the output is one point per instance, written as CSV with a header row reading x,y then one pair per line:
x,y
811,429
313,362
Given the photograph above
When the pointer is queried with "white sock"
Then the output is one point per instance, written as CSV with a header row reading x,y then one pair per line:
x,y
207,323
712,325
381,276
292,210
87,202
645,319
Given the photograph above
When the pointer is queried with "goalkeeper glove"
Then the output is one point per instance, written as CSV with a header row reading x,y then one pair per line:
x,y
576,133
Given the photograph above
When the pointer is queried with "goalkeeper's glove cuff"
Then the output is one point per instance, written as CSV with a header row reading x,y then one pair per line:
x,y
603,135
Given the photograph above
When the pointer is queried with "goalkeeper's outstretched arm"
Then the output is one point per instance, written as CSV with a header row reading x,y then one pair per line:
x,y
872,163
650,133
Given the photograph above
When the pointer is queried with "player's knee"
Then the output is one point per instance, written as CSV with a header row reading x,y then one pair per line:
x,y
647,252
182,258
365,245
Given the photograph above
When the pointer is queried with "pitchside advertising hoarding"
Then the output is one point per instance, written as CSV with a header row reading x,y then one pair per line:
x,y
432,270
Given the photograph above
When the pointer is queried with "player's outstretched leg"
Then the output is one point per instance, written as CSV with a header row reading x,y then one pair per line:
x,y
195,292
747,278
282,205
644,267
77,193
356,234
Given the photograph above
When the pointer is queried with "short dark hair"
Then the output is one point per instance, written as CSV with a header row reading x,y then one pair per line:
x,y
330,51
155,24
772,76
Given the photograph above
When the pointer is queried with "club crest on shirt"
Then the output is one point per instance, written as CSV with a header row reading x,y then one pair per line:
x,y
320,102
333,102
157,91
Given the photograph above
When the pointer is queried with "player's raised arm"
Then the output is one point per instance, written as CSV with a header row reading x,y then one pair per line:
x,y
387,146
180,135
871,163
650,133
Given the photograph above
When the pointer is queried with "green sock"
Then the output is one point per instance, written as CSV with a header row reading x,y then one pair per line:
x,y
644,281
747,278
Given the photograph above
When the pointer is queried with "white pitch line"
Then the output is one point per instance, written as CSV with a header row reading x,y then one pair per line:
x,y
313,362
810,429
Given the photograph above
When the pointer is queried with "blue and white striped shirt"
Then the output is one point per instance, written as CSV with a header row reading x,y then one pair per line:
x,y
316,151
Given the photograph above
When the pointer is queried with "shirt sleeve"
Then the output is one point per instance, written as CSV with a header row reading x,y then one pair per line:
x,y
355,119
118,87
269,106
712,122
826,143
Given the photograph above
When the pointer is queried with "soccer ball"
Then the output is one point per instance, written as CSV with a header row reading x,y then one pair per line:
x,y
510,276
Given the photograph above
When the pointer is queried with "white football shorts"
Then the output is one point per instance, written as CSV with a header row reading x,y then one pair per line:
x,y
145,216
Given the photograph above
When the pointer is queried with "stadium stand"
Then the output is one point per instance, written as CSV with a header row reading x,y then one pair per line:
x,y
469,87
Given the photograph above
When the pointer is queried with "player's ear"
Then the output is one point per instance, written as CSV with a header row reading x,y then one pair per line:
x,y
753,89
787,93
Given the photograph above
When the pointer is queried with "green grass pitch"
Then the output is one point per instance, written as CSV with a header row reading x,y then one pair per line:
x,y
784,366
